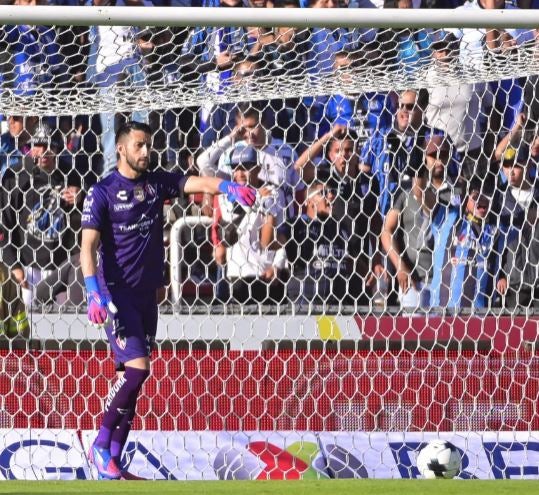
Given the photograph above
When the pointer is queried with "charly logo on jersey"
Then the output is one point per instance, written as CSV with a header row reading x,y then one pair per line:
x,y
122,195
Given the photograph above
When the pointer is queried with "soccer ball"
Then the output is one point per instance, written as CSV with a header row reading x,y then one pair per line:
x,y
439,459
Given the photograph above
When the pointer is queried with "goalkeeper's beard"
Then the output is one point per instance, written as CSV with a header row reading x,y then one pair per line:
x,y
139,166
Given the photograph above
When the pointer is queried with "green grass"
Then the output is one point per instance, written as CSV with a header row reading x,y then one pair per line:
x,y
327,487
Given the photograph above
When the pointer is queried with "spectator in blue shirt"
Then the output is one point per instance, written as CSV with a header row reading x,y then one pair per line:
x,y
364,112
36,59
389,152
468,253
220,47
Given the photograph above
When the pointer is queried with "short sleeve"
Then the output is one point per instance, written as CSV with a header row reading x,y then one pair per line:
x,y
173,183
400,200
95,209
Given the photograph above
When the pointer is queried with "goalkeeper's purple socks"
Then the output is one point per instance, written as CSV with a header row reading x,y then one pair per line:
x,y
119,436
121,403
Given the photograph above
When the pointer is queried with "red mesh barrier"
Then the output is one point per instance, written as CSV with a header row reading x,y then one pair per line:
x,y
267,390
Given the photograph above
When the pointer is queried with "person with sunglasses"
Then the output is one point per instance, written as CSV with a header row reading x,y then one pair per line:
x,y
389,152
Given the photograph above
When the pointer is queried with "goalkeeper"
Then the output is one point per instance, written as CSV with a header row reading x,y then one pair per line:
x,y
123,218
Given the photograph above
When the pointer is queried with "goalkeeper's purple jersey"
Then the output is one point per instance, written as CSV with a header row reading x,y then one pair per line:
x,y
129,215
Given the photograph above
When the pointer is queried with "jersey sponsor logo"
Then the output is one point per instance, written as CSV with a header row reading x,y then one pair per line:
x,y
123,206
122,195
143,225
139,194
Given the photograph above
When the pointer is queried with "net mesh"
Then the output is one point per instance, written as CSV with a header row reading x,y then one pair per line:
x,y
384,283
73,70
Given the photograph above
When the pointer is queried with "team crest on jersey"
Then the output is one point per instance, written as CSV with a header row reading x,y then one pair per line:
x,y
139,194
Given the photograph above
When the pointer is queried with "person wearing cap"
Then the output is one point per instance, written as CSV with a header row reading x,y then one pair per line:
x,y
247,241
519,279
468,252
321,255
40,212
276,158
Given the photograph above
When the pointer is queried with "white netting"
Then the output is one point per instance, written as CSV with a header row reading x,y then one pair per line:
x,y
382,291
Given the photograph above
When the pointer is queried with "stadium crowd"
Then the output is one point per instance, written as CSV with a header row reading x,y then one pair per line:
x,y
419,199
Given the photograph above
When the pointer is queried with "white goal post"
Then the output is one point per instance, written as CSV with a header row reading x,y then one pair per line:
x,y
291,342
207,16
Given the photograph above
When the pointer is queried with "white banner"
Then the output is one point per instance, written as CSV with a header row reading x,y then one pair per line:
x,y
57,454
307,455
42,455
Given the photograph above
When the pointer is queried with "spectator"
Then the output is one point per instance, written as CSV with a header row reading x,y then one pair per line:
x,y
13,319
15,143
64,285
467,260
405,50
522,192
408,241
523,133
518,218
365,112
220,47
40,212
519,281
477,47
322,260
442,166
325,43
36,59
336,149
249,250
388,153
456,109
114,58
357,192
276,158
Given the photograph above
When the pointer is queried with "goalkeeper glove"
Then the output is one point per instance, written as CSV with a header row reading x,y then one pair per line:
x,y
244,195
97,303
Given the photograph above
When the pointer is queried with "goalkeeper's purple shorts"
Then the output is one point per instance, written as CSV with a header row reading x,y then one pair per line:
x,y
132,332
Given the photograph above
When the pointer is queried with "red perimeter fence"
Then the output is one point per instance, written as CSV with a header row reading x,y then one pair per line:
x,y
282,390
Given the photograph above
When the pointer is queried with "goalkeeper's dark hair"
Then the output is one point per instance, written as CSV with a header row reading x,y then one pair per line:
x,y
132,125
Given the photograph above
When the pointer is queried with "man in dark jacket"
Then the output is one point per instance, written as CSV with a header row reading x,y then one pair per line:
x,y
39,204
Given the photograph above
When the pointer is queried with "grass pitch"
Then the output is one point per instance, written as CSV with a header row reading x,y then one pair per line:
x,y
326,487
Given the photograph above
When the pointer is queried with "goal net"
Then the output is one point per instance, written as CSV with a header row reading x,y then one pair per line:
x,y
381,292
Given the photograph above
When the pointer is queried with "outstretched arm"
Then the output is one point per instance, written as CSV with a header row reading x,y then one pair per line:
x,y
244,195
